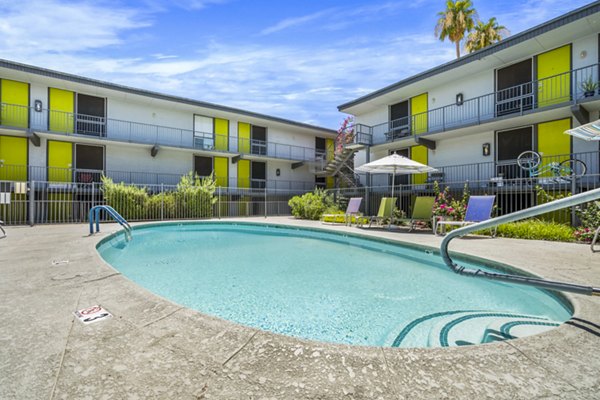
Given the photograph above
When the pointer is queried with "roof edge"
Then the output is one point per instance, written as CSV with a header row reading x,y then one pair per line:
x,y
148,93
530,33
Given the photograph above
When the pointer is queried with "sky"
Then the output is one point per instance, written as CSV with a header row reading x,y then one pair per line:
x,y
292,59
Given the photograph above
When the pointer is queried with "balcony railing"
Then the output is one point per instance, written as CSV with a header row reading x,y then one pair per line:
x,y
565,88
22,117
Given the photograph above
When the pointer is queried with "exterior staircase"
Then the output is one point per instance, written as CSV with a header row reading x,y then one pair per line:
x,y
341,166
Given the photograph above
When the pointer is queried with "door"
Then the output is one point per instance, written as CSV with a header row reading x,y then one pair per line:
x,y
419,154
60,161
62,110
553,75
259,140
221,167
15,104
418,114
553,144
259,175
13,158
243,137
399,125
243,173
89,163
509,144
221,134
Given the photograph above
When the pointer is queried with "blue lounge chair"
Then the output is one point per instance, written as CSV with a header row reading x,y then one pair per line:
x,y
479,208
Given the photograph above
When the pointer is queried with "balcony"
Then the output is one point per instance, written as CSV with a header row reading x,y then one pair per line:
x,y
555,91
27,118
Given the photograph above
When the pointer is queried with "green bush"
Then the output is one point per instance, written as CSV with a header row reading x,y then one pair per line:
x,y
193,198
537,230
313,205
589,217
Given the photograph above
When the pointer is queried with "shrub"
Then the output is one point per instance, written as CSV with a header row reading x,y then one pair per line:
x,y
313,205
193,198
537,230
589,217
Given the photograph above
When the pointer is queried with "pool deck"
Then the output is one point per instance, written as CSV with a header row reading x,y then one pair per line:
x,y
153,348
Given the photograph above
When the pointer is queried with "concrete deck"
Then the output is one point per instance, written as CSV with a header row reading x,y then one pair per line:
x,y
153,348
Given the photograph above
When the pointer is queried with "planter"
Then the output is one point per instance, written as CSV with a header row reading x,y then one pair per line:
x,y
589,93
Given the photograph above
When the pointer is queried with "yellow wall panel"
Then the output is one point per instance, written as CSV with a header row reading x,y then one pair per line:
x,y
330,148
419,154
15,104
62,109
60,161
243,173
243,137
13,156
221,168
418,113
554,84
221,134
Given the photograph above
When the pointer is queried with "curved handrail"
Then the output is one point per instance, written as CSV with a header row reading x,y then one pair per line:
x,y
527,213
94,216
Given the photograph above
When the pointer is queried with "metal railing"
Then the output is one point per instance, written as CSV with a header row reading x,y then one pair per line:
x,y
59,122
555,205
94,218
539,94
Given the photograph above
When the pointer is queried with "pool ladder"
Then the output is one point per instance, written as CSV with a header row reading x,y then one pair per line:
x,y
555,205
94,217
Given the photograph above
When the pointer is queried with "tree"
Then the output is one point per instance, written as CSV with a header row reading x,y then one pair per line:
x,y
458,19
484,35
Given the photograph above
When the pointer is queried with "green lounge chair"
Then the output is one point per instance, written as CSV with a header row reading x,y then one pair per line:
x,y
422,211
385,210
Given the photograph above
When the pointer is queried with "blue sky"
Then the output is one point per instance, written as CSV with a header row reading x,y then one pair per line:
x,y
296,60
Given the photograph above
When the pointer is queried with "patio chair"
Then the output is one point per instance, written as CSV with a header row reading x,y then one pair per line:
x,y
422,211
352,210
385,210
479,208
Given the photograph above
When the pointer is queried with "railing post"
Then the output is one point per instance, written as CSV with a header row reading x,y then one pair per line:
x,y
265,201
219,202
162,201
479,110
31,203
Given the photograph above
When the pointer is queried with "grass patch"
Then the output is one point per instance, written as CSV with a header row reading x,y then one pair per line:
x,y
536,229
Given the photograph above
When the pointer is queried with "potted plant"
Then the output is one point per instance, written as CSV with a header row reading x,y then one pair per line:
x,y
589,87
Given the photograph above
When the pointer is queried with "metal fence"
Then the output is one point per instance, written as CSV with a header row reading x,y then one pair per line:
x,y
40,202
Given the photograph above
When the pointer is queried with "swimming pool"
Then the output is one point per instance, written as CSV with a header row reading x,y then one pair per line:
x,y
327,286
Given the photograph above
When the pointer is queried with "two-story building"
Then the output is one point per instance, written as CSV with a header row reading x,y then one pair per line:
x,y
472,117
58,127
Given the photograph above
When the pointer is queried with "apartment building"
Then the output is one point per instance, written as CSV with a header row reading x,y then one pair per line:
x,y
58,127
472,117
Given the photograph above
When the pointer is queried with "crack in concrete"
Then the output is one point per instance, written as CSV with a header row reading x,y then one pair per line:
x,y
231,357
64,352
389,374
549,371
161,318
102,278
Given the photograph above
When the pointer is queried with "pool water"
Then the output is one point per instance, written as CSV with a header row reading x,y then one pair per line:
x,y
327,286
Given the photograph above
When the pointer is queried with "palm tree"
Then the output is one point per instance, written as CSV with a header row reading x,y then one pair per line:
x,y
453,23
485,34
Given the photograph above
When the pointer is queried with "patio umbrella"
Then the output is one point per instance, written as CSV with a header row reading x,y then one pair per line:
x,y
587,132
396,165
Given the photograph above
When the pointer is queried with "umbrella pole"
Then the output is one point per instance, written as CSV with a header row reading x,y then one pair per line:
x,y
394,202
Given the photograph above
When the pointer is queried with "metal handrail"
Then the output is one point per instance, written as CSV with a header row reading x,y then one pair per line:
x,y
94,217
2,230
519,215
595,240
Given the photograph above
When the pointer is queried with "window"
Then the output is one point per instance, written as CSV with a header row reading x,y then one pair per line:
x,y
89,163
204,136
320,148
514,88
91,115
399,121
203,166
320,182
258,140
509,144
258,174
400,179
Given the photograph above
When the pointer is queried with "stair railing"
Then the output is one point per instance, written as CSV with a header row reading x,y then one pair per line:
x,y
519,215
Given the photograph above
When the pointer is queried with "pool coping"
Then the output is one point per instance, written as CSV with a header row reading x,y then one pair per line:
x,y
153,348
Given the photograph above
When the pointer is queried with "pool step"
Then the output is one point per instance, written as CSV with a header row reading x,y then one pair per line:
x,y
468,327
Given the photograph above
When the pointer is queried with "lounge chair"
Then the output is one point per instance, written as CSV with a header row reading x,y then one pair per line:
x,y
422,211
385,210
479,208
351,211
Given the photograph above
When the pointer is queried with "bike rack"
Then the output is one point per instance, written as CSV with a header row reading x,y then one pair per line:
x,y
94,217
530,212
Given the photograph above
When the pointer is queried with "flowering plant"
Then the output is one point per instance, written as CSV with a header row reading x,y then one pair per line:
x,y
444,205
584,235
345,134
